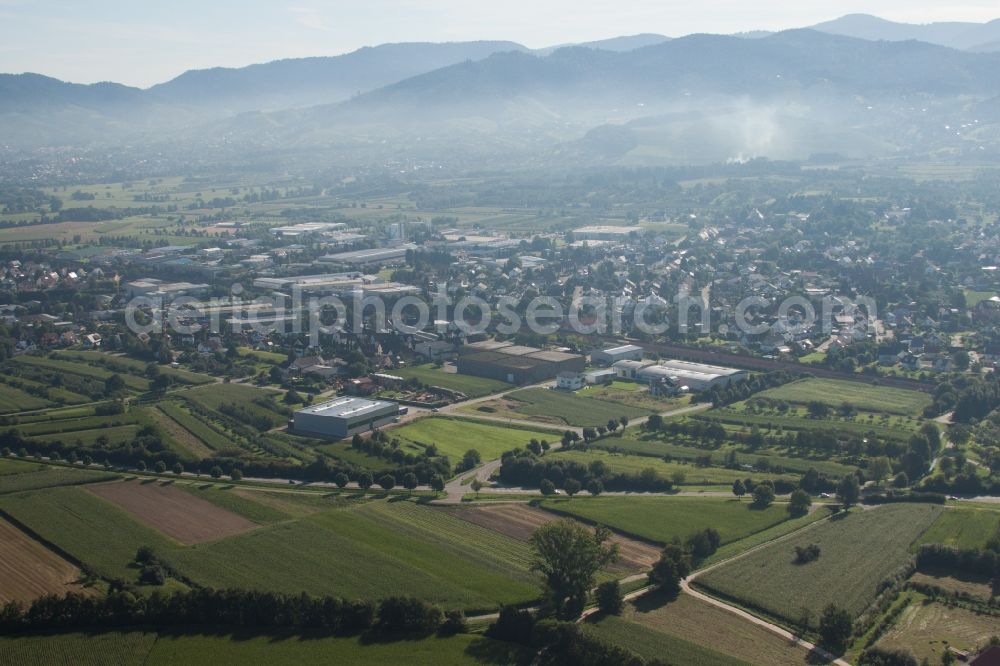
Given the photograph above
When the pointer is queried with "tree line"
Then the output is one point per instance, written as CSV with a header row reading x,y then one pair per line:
x,y
231,608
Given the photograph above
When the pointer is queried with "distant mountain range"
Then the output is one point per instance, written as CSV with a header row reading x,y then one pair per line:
x,y
953,34
607,96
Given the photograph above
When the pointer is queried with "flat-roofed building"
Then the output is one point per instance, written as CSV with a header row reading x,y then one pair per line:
x,y
695,376
343,416
372,256
612,355
515,364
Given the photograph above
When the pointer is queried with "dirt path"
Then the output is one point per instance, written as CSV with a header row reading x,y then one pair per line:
x,y
770,626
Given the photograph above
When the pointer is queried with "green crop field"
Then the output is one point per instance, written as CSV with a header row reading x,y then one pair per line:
x,y
370,552
79,649
17,477
660,519
963,528
369,549
693,475
689,631
570,408
473,387
834,392
136,648
651,644
858,551
453,437
241,504
90,529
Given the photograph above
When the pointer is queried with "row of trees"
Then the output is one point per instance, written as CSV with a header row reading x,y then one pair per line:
x,y
226,608
521,467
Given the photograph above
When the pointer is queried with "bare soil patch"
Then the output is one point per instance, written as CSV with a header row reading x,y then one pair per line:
x,y
183,516
30,570
519,521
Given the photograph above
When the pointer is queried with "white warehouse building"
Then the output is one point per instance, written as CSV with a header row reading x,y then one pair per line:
x,y
695,376
344,416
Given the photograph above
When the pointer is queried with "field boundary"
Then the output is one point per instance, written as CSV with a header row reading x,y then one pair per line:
x,y
35,536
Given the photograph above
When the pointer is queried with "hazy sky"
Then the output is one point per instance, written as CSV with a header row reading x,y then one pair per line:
x,y
141,42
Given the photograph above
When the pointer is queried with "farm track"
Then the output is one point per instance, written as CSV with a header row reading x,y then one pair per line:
x,y
770,626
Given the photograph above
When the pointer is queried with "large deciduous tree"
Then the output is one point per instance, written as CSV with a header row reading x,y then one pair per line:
x,y
569,555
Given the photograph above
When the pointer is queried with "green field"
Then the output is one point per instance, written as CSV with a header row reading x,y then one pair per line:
x,y
660,519
364,549
631,394
570,408
736,416
370,551
136,648
453,437
224,496
15,400
835,392
90,529
208,435
660,445
16,477
974,298
82,369
928,629
963,528
693,475
211,398
858,551
651,644
124,364
472,387
79,649
686,631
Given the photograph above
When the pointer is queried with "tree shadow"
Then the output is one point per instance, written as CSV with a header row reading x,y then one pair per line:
x,y
654,600
490,651
378,637
815,657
